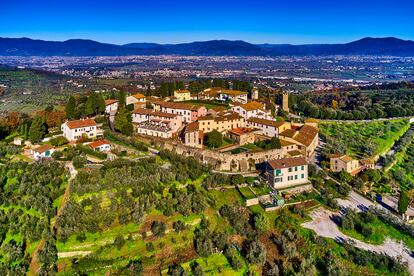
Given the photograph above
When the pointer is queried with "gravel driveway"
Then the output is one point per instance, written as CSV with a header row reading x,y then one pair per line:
x,y
323,223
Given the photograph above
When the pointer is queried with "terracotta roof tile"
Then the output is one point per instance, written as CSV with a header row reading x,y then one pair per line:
x,y
241,130
288,133
191,127
81,123
98,143
142,111
110,101
138,96
287,162
164,114
182,91
306,135
43,148
252,106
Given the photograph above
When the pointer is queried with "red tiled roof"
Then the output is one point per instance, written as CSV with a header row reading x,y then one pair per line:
x,y
241,130
43,148
287,162
138,96
164,114
182,91
288,133
80,123
252,106
110,101
191,127
142,111
98,143
306,135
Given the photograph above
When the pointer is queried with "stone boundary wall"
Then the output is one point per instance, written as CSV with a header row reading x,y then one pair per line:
x,y
219,161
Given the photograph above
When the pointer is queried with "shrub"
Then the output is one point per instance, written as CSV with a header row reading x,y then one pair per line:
x,y
176,270
196,269
179,226
237,179
57,154
213,139
135,267
158,228
119,241
78,162
89,151
254,252
58,141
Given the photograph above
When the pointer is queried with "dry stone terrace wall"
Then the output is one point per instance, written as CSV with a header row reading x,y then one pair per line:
x,y
220,161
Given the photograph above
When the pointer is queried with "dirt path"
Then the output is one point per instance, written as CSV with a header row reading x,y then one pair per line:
x,y
73,172
34,264
323,224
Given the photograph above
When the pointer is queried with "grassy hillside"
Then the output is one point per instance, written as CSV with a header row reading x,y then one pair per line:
x,y
362,139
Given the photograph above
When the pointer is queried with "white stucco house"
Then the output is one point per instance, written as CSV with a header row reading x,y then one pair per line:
x,y
100,145
42,152
75,130
111,106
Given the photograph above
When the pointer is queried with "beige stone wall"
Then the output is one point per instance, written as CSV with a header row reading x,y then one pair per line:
x,y
221,161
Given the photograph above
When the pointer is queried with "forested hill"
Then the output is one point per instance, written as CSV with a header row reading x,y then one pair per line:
x,y
82,47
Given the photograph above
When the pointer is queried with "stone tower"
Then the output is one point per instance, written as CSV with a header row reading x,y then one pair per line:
x,y
255,93
285,101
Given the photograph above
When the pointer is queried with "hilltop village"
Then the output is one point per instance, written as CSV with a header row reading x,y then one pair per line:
x,y
227,129
220,181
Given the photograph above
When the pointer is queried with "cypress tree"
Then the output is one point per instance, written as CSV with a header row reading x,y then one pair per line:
x,y
71,108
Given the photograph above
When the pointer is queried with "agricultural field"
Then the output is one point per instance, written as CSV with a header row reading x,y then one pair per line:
x,y
362,139
28,91
403,170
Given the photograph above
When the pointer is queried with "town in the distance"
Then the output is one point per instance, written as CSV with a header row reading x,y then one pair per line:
x,y
217,176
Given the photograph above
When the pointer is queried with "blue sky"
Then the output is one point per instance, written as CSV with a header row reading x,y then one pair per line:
x,y
174,21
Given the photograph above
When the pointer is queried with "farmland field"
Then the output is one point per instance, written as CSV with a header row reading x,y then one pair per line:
x,y
363,139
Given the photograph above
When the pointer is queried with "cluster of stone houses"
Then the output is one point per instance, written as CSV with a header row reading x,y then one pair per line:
x,y
244,121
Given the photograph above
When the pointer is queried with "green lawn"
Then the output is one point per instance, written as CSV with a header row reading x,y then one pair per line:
x,y
262,190
207,104
252,147
246,192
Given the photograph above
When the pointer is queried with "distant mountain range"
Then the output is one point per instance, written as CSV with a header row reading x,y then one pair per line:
x,y
81,47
